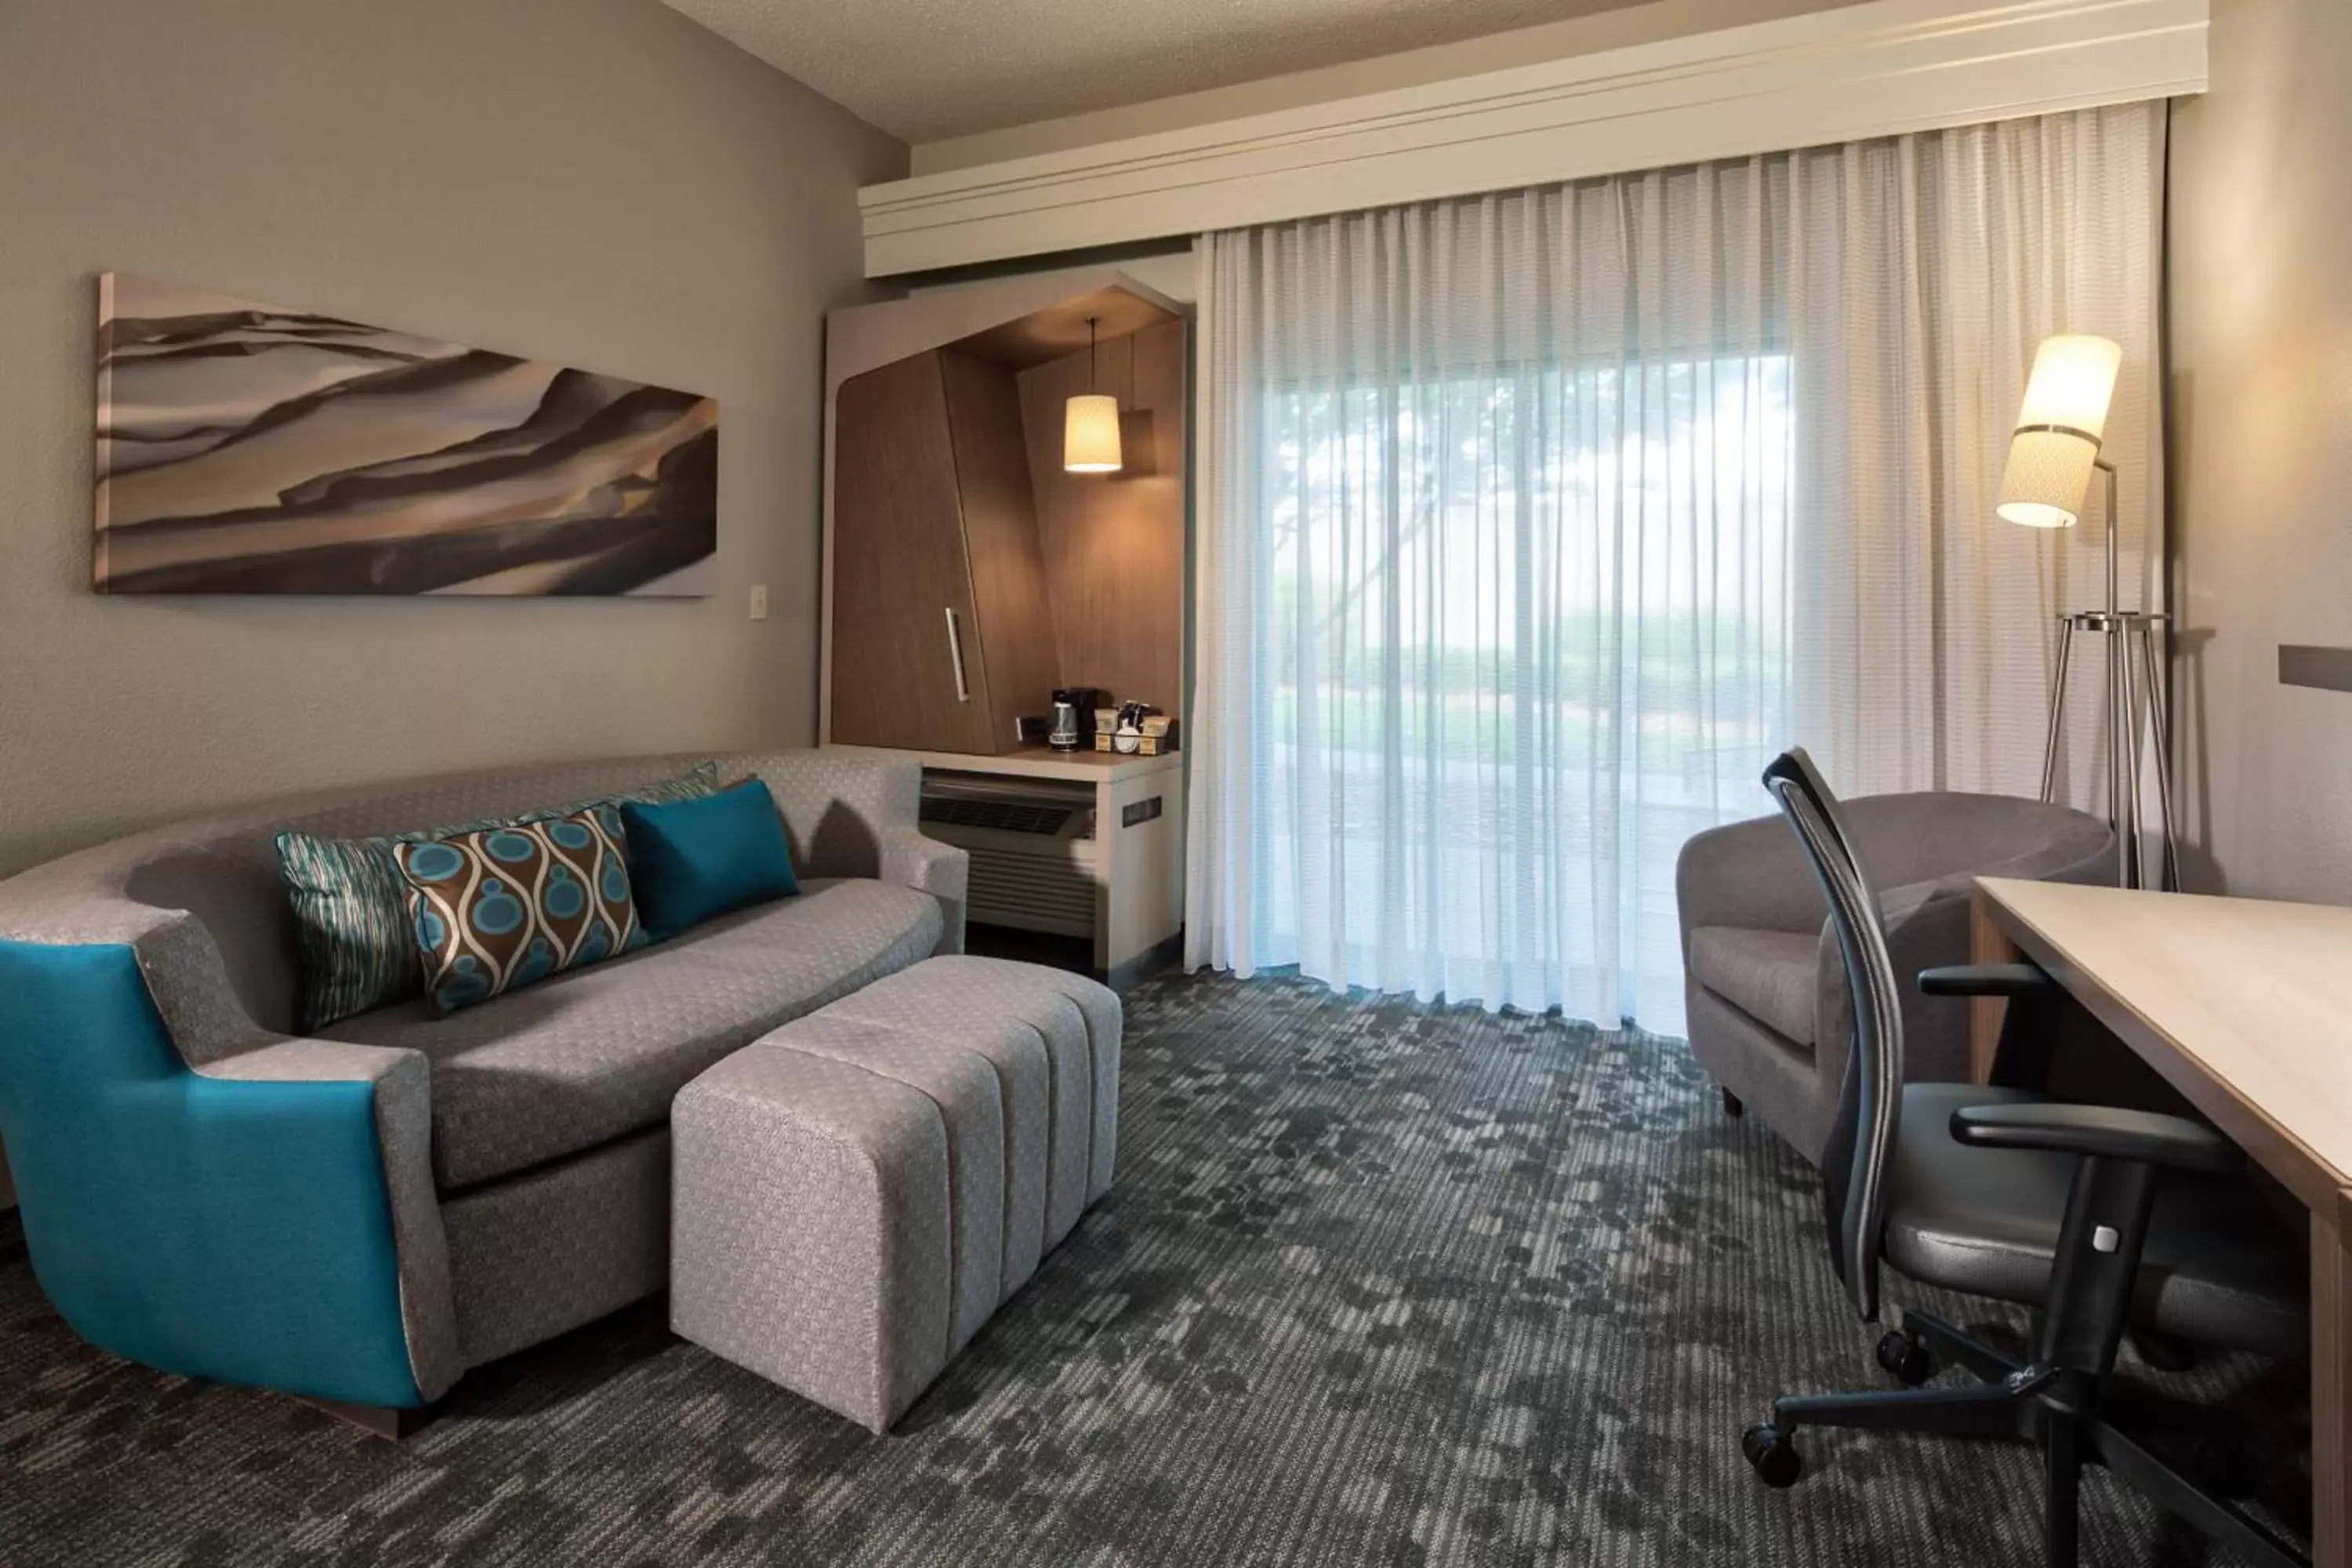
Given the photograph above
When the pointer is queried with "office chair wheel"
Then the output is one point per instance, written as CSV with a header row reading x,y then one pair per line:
x,y
1772,1454
1905,1358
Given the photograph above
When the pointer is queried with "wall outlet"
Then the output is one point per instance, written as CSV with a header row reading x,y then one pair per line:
x,y
758,601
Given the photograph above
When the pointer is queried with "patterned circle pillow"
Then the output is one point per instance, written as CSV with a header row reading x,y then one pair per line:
x,y
503,908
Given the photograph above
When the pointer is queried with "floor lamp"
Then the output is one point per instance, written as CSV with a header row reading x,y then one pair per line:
x,y
2051,461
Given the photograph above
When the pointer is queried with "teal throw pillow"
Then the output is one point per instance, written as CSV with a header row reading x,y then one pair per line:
x,y
351,904
503,908
693,860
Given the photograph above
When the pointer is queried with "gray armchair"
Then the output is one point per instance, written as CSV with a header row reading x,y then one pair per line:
x,y
1770,1012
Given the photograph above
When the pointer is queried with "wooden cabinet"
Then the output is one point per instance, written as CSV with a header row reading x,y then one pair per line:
x,y
940,636
968,573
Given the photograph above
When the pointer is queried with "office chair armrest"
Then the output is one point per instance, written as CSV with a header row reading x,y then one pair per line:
x,y
1985,980
2103,1132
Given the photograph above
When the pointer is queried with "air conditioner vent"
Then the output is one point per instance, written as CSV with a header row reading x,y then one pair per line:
x,y
1034,862
1003,816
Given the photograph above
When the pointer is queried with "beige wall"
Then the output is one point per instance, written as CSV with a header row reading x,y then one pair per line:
x,y
2261,251
1608,26
599,182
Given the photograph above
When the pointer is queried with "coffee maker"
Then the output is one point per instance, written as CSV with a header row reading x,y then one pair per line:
x,y
1074,717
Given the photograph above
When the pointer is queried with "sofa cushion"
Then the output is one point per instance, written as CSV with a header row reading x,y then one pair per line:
x,y
504,907
351,905
597,1053
1766,974
694,860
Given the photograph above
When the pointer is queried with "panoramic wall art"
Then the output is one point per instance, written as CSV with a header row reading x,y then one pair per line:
x,y
246,448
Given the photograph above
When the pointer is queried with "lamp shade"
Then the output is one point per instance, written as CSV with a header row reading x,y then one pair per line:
x,y
1091,435
2059,430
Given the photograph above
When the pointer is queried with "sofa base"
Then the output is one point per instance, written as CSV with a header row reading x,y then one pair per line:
x,y
545,1252
1765,1072
376,1420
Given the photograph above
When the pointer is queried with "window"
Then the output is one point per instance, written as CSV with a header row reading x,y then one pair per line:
x,y
1520,629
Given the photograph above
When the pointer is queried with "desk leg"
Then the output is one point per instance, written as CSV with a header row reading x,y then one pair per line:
x,y
2331,1386
1985,945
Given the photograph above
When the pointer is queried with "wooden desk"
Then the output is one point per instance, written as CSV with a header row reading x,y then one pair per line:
x,y
2245,1007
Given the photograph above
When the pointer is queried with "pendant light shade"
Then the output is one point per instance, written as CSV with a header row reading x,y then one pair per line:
x,y
2059,430
1091,435
1090,424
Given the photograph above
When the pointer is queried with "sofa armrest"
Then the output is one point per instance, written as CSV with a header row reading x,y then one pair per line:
x,y
1752,875
402,1102
264,1219
942,870
838,806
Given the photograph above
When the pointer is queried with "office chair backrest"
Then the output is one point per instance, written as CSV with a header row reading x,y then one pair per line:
x,y
1861,1140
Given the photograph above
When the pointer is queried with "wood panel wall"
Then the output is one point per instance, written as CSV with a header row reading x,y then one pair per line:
x,y
1114,543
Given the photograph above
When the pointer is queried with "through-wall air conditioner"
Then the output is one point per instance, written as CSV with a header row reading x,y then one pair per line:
x,y
1035,862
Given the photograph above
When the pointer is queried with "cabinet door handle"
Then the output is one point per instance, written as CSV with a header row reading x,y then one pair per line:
x,y
955,654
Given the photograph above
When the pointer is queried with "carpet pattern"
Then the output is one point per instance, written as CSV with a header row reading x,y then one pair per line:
x,y
1379,1284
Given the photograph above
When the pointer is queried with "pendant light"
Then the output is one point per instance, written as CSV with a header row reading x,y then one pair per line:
x,y
1090,424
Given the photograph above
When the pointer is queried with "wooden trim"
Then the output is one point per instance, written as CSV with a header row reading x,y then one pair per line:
x,y
1877,70
2331,1386
1985,945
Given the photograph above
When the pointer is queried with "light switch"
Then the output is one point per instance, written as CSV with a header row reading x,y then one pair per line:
x,y
758,601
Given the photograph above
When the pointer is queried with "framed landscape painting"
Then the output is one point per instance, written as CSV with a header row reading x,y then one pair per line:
x,y
248,448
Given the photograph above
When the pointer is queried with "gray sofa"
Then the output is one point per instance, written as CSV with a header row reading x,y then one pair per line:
x,y
363,1217
1770,1014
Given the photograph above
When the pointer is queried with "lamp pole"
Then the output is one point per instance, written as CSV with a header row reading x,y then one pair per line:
x,y
2133,696
2055,446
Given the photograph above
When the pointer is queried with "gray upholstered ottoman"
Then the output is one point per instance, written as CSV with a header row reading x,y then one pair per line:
x,y
855,1194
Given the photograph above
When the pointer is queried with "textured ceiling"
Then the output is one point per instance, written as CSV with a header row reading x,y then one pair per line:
x,y
926,70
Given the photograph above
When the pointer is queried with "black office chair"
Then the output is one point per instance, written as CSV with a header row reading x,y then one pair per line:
x,y
2103,1219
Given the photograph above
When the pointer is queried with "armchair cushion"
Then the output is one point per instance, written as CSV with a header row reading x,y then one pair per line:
x,y
1767,974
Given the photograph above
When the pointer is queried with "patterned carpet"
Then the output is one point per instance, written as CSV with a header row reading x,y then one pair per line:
x,y
1379,1284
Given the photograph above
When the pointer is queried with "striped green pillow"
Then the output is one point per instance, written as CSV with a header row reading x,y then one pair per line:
x,y
351,904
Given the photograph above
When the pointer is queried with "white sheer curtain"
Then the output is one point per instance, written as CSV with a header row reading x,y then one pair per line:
x,y
1531,525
